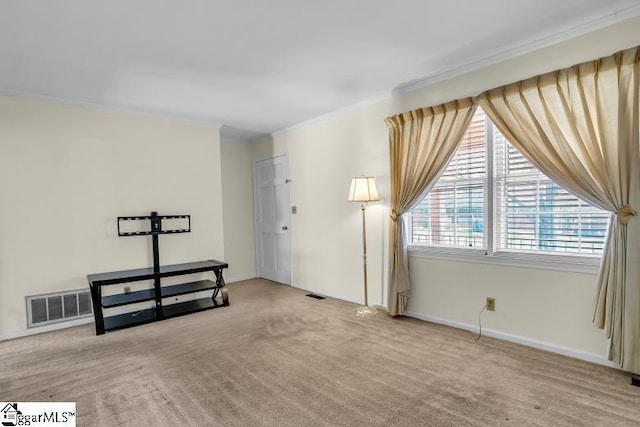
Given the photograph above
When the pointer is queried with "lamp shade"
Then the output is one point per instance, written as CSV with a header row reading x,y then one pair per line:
x,y
363,189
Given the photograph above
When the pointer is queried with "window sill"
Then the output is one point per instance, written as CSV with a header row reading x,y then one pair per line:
x,y
586,265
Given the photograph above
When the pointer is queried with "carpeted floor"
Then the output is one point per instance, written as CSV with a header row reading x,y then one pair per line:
x,y
278,358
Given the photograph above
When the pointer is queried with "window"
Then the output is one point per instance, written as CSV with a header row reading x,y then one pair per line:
x,y
535,214
452,214
492,199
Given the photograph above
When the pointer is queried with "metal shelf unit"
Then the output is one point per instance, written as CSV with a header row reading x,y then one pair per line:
x,y
161,310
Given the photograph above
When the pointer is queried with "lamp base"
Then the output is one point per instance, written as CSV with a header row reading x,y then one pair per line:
x,y
364,310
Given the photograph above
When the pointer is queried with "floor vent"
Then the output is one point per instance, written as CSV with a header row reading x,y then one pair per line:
x,y
58,307
315,296
635,381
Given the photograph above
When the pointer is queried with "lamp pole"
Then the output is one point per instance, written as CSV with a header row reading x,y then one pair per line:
x,y
364,254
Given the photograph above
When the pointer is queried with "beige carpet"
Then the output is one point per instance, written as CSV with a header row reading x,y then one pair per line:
x,y
278,358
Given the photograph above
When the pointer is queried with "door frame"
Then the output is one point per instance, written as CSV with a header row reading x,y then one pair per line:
x,y
256,240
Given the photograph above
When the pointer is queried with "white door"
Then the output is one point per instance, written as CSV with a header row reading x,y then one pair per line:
x,y
271,201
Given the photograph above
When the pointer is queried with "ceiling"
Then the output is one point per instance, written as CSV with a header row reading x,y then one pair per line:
x,y
257,66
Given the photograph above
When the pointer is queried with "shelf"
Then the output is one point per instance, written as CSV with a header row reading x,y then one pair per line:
x,y
187,288
174,310
118,300
141,317
139,274
125,320
130,298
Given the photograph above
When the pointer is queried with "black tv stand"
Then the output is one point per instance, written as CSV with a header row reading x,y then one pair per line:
x,y
162,309
104,324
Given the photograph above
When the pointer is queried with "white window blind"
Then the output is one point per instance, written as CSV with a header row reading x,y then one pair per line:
x,y
453,212
531,214
535,214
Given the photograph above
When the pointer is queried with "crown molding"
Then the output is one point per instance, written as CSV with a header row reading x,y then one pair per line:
x,y
505,55
520,50
226,139
110,108
362,104
414,85
231,133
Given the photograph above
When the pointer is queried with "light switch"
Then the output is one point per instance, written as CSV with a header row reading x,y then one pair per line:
x,y
294,210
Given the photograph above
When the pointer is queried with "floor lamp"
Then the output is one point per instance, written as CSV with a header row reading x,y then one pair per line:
x,y
363,189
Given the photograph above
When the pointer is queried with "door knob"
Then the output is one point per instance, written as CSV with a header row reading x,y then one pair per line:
x,y
284,227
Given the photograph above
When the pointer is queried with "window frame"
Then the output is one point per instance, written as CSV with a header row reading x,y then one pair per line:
x,y
583,263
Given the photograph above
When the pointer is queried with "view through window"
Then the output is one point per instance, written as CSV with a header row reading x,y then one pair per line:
x,y
531,213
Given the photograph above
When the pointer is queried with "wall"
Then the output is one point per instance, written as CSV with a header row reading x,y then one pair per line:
x,y
237,207
67,172
550,309
326,233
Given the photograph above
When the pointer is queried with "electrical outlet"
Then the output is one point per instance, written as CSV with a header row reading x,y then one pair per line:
x,y
491,304
127,289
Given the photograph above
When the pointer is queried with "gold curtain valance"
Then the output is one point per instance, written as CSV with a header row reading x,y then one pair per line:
x,y
627,56
399,119
580,71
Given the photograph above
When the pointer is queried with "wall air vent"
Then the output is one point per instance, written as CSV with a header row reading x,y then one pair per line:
x,y
57,307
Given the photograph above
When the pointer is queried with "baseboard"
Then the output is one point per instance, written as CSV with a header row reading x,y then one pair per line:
x,y
240,278
529,342
325,294
47,328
